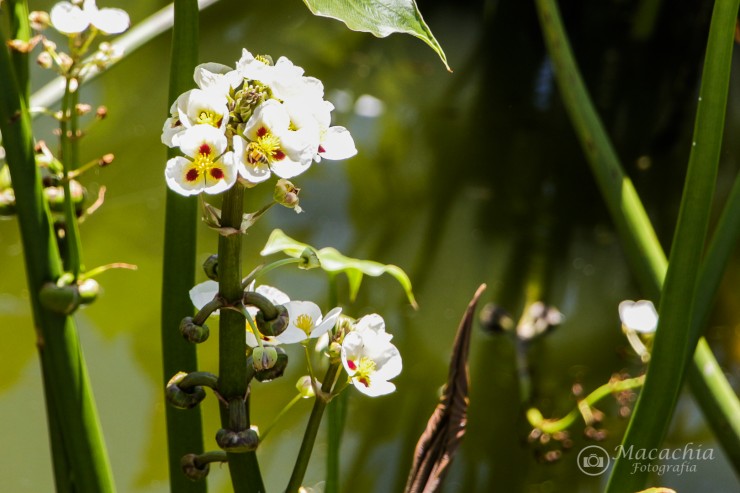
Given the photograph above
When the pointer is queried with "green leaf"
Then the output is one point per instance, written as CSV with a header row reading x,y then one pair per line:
x,y
379,17
333,261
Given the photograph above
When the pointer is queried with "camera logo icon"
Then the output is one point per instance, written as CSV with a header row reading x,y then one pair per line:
x,y
593,460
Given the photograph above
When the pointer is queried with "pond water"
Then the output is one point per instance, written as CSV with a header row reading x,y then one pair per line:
x,y
462,178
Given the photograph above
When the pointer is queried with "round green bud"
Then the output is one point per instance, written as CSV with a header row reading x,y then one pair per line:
x,y
264,358
193,332
88,289
192,469
277,369
237,441
304,387
180,398
210,267
59,299
277,325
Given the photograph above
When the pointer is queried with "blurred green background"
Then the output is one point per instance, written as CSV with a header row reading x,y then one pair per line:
x,y
462,178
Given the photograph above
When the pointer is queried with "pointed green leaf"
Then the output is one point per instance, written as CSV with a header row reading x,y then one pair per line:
x,y
333,261
379,17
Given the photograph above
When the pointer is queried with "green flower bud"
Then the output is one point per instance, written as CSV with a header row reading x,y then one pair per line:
x,y
192,469
277,325
264,358
238,441
309,259
304,387
277,369
193,332
210,267
286,194
183,399
59,299
88,289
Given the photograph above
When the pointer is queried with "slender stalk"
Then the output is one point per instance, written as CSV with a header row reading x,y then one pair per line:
x,y
706,377
283,412
233,383
336,414
672,347
20,29
555,425
69,400
184,428
312,429
69,156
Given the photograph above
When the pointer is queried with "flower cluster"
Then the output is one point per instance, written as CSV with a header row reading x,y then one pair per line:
x,y
248,123
364,347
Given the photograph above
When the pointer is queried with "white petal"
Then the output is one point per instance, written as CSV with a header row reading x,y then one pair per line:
x,y
171,132
228,163
194,137
377,387
639,316
68,19
173,176
254,173
275,296
288,168
327,323
203,293
292,335
216,76
111,21
337,144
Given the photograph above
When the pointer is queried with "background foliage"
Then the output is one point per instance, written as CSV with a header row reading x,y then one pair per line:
x,y
461,179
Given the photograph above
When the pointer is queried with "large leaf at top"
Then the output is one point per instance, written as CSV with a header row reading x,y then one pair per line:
x,y
333,261
379,17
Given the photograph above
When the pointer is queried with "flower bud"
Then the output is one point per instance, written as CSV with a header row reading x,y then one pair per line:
x,y
304,387
101,112
88,289
309,259
39,20
210,267
264,358
238,441
44,60
277,325
59,299
286,194
277,369
193,332
192,469
183,399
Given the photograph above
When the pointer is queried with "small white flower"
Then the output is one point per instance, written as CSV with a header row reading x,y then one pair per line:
x,y
195,107
272,146
217,77
307,322
639,316
369,357
314,115
209,169
68,18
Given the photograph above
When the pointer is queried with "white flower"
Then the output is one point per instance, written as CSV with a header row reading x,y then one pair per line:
x,y
314,115
639,316
307,322
276,297
195,107
369,357
209,169
217,77
272,146
68,18
255,68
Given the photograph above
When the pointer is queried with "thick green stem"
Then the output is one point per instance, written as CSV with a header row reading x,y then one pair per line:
x,y
232,343
312,429
69,400
706,377
184,428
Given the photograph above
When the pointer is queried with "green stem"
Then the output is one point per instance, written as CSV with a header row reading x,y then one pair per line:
x,y
184,428
69,400
312,429
69,158
20,29
233,383
553,426
706,377
261,271
336,414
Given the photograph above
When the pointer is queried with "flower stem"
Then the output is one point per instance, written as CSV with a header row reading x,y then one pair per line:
x,y
288,407
233,383
553,426
69,156
312,429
